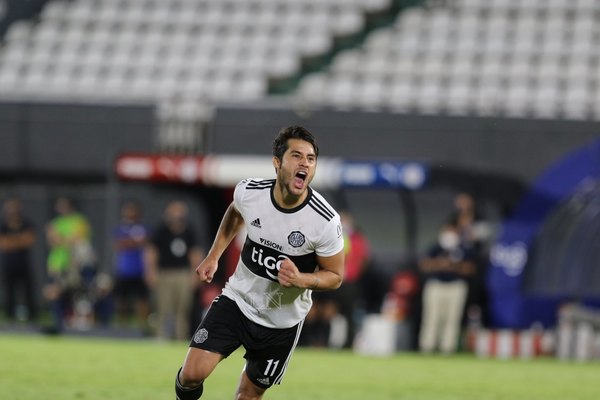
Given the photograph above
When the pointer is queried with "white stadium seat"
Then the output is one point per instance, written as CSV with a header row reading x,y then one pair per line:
x,y
486,57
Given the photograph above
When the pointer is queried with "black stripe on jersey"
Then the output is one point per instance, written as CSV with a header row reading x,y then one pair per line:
x,y
321,208
265,261
266,184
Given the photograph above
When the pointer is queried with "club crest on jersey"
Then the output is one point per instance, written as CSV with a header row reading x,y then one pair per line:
x,y
201,336
296,239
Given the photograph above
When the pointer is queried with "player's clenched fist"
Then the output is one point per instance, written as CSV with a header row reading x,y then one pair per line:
x,y
288,275
206,270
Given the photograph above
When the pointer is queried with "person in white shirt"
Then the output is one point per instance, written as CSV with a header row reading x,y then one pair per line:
x,y
294,245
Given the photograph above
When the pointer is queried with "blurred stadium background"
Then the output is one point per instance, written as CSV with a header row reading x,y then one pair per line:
x,y
412,102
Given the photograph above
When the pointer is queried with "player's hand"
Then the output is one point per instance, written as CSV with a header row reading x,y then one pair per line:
x,y
288,275
206,270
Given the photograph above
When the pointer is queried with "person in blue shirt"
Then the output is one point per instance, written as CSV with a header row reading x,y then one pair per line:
x,y
131,292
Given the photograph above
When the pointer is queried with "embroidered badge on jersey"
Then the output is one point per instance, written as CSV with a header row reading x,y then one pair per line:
x,y
201,336
296,239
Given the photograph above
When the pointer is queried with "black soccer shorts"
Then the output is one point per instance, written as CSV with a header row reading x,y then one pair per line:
x,y
268,351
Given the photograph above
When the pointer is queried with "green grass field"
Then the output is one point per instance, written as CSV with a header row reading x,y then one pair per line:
x,y
67,368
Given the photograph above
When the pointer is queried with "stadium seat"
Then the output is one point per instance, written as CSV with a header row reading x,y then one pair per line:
x,y
401,95
341,92
460,99
484,56
19,31
488,57
370,93
312,89
138,38
546,101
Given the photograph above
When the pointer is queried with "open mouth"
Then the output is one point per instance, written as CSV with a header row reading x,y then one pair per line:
x,y
299,179
302,175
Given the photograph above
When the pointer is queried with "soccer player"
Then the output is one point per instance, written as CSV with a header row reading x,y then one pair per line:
x,y
294,245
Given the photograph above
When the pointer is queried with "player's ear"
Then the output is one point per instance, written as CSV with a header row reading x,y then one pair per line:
x,y
276,163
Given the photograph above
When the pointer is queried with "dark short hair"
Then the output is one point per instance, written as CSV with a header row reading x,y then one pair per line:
x,y
280,144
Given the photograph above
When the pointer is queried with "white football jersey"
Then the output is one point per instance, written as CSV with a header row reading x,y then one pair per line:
x,y
273,234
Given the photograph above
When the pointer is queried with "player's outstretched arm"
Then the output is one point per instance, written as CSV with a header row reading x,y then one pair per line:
x,y
231,224
328,277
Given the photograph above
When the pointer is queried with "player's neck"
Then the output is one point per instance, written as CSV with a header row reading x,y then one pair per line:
x,y
285,199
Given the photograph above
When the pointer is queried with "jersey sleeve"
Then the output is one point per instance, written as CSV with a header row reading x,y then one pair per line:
x,y
332,240
238,195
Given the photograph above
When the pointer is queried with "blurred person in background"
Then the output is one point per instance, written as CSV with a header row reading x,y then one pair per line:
x,y
475,233
473,229
399,306
316,330
345,301
349,296
131,292
171,255
446,267
17,238
70,263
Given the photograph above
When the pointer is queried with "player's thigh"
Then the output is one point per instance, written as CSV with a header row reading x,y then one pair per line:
x,y
267,370
267,360
216,337
198,365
